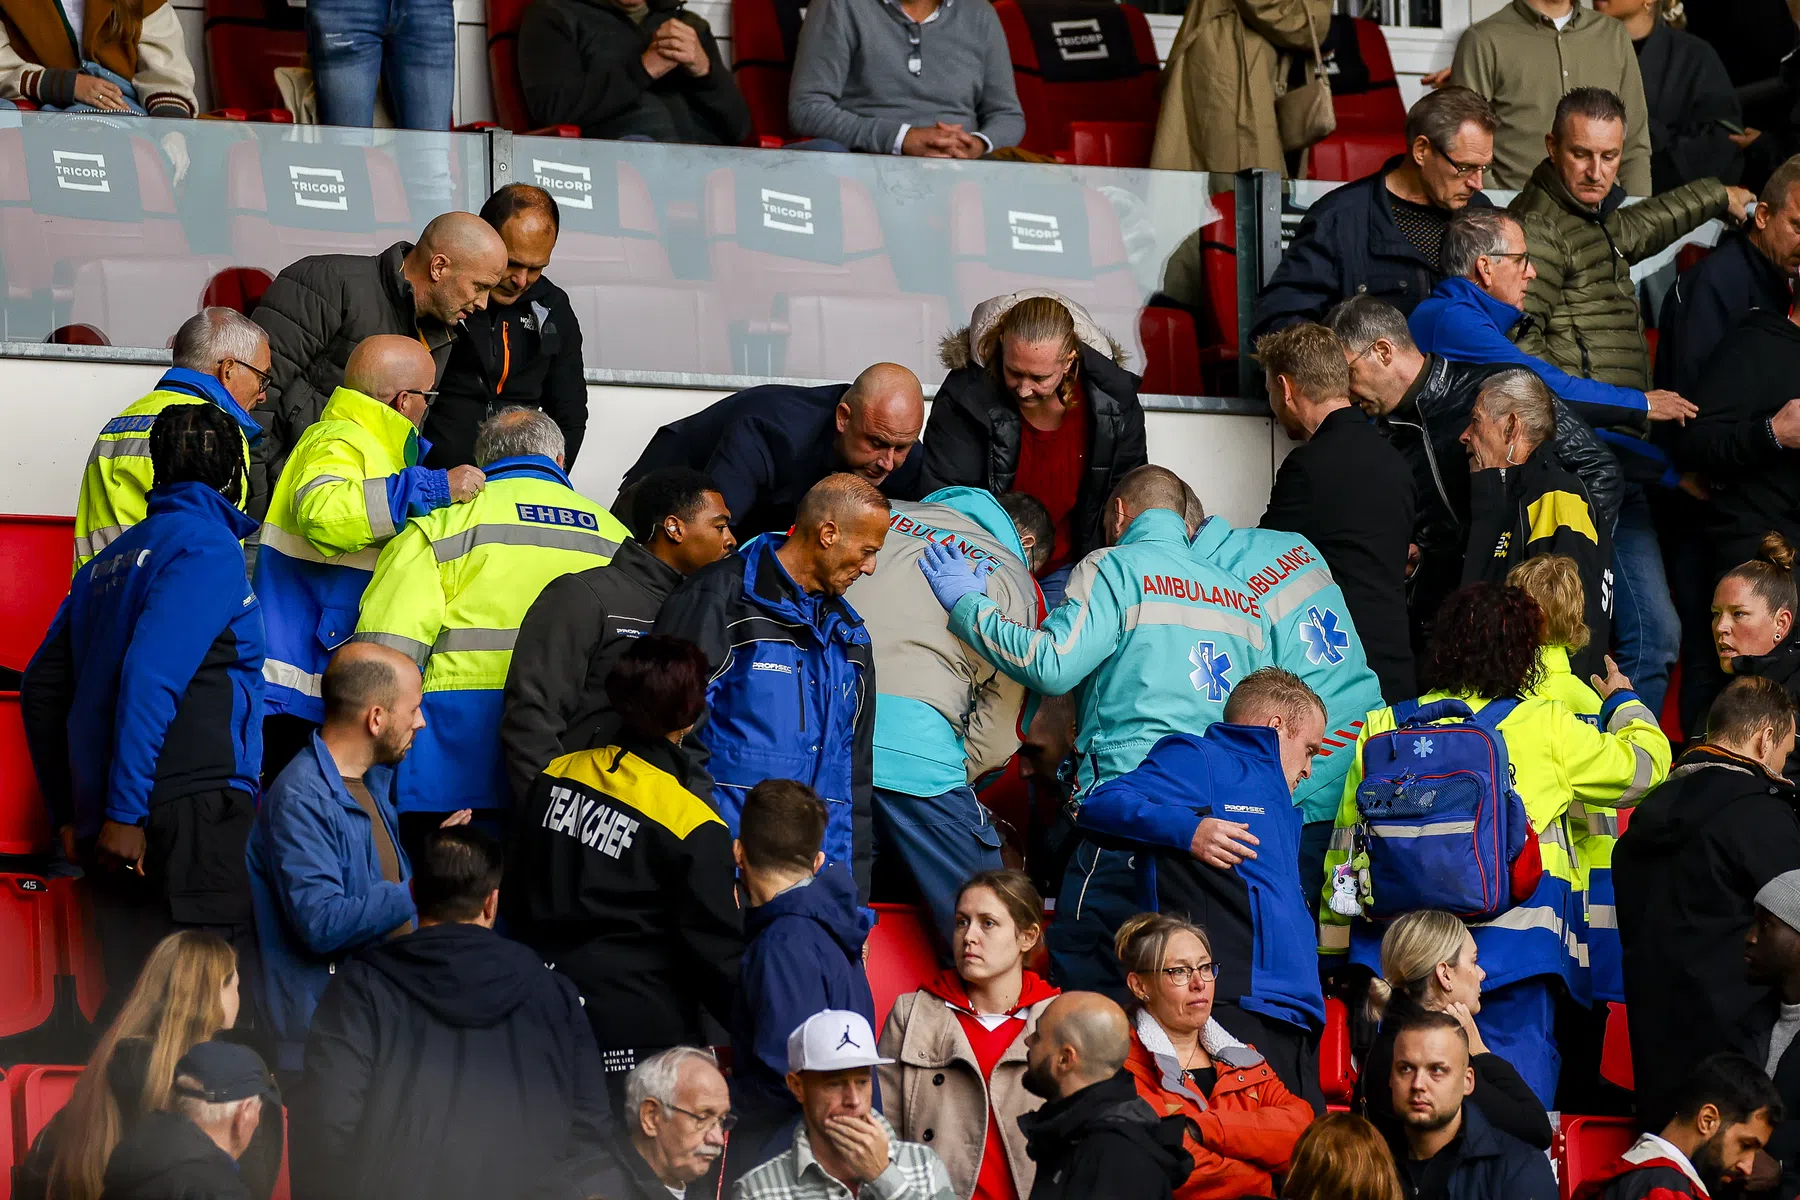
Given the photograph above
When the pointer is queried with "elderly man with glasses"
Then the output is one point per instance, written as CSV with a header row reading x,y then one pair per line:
x,y
677,1118
352,482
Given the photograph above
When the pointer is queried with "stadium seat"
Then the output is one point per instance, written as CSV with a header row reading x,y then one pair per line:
x,y
239,288
1337,1072
1371,117
37,555
503,17
1086,76
764,34
77,335
1171,365
27,953
1615,1048
899,957
78,947
610,231
1584,1145
673,326
7,1157
38,1093
138,301
246,40
1218,272
289,199
24,821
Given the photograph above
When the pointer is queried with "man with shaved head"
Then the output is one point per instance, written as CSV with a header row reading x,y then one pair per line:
x,y
765,446
322,307
327,875
1096,1136
792,691
352,482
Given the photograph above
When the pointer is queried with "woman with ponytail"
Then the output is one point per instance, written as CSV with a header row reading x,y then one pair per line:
x,y
1429,962
1753,620
118,56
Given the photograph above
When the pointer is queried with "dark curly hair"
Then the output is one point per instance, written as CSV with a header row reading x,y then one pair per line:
x,y
198,443
1485,643
658,686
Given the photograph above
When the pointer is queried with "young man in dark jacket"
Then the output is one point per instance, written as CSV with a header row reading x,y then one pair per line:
x,y
1094,1136
619,69
1685,874
803,950
524,348
555,697
222,1093
449,1064
1765,1033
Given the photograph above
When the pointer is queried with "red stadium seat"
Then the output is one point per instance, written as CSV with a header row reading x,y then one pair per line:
x,y
37,555
7,1157
1371,117
139,301
27,953
764,34
1615,1047
1171,353
38,1093
900,958
77,335
1094,101
78,946
239,288
672,326
24,820
503,18
243,48
1218,270
289,199
1584,1145
1337,1073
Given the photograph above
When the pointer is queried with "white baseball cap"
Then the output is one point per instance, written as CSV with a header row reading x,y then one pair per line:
x,y
833,1040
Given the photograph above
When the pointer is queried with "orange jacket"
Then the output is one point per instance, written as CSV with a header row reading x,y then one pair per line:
x,y
1245,1133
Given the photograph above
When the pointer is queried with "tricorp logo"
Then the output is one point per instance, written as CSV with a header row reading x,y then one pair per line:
x,y
787,212
319,187
1034,231
1079,40
80,172
570,184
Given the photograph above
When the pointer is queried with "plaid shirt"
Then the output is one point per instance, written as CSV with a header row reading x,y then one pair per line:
x,y
914,1173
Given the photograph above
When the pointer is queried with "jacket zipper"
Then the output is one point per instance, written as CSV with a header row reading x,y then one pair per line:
x,y
800,694
1431,461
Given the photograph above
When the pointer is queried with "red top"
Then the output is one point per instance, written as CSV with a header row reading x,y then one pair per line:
x,y
1051,463
995,1180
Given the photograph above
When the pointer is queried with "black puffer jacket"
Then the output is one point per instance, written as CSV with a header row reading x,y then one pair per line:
x,y
317,311
1105,1140
168,1157
1780,665
972,438
1691,103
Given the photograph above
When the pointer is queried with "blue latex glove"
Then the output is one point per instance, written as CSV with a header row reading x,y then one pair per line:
x,y
951,575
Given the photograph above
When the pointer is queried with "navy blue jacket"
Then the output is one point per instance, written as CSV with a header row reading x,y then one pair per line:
x,y
765,447
1711,299
316,884
1348,245
802,955
1255,913
791,694
1491,1165
149,685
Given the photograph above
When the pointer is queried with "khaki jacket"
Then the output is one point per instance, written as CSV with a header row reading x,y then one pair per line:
x,y
934,1093
1218,89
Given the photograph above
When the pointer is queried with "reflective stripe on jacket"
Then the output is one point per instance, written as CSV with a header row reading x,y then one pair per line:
x,y
450,591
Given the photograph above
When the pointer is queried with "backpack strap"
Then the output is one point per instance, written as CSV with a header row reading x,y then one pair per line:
x,y
1489,718
1403,711
1437,710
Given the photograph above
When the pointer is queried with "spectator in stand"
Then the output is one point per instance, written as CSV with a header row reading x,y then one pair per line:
x,y
1696,124
573,634
450,591
125,59
1214,830
766,446
523,349
1341,1157
1421,403
143,706
803,954
1027,364
1429,964
1126,636
1582,315
957,1045
647,72
355,47
1523,504
919,77
778,708
1687,871
945,717
326,873
1485,650
1242,1122
625,873
1751,270
1095,1136
1448,1149
352,483
1345,490
1765,1033
186,994
676,1121
320,308
843,1145
1525,57
220,356
1753,622
221,1095
1382,235
1724,1116
415,1038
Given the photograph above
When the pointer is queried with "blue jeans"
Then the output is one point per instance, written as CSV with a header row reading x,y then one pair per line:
x,y
941,840
1646,632
357,44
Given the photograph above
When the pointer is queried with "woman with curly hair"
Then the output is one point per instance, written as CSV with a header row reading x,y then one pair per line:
x,y
1485,648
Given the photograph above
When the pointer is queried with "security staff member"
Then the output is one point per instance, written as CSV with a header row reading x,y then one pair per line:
x,y
351,483
221,357
451,590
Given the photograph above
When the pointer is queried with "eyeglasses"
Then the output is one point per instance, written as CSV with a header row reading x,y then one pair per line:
x,y
727,1121
1358,356
1524,256
1182,976
430,397
1463,170
262,377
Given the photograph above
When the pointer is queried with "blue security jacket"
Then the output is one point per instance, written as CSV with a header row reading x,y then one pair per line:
x,y
149,684
1313,636
1255,913
316,883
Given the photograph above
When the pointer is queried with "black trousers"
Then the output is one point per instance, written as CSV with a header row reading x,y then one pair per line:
x,y
1292,1051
